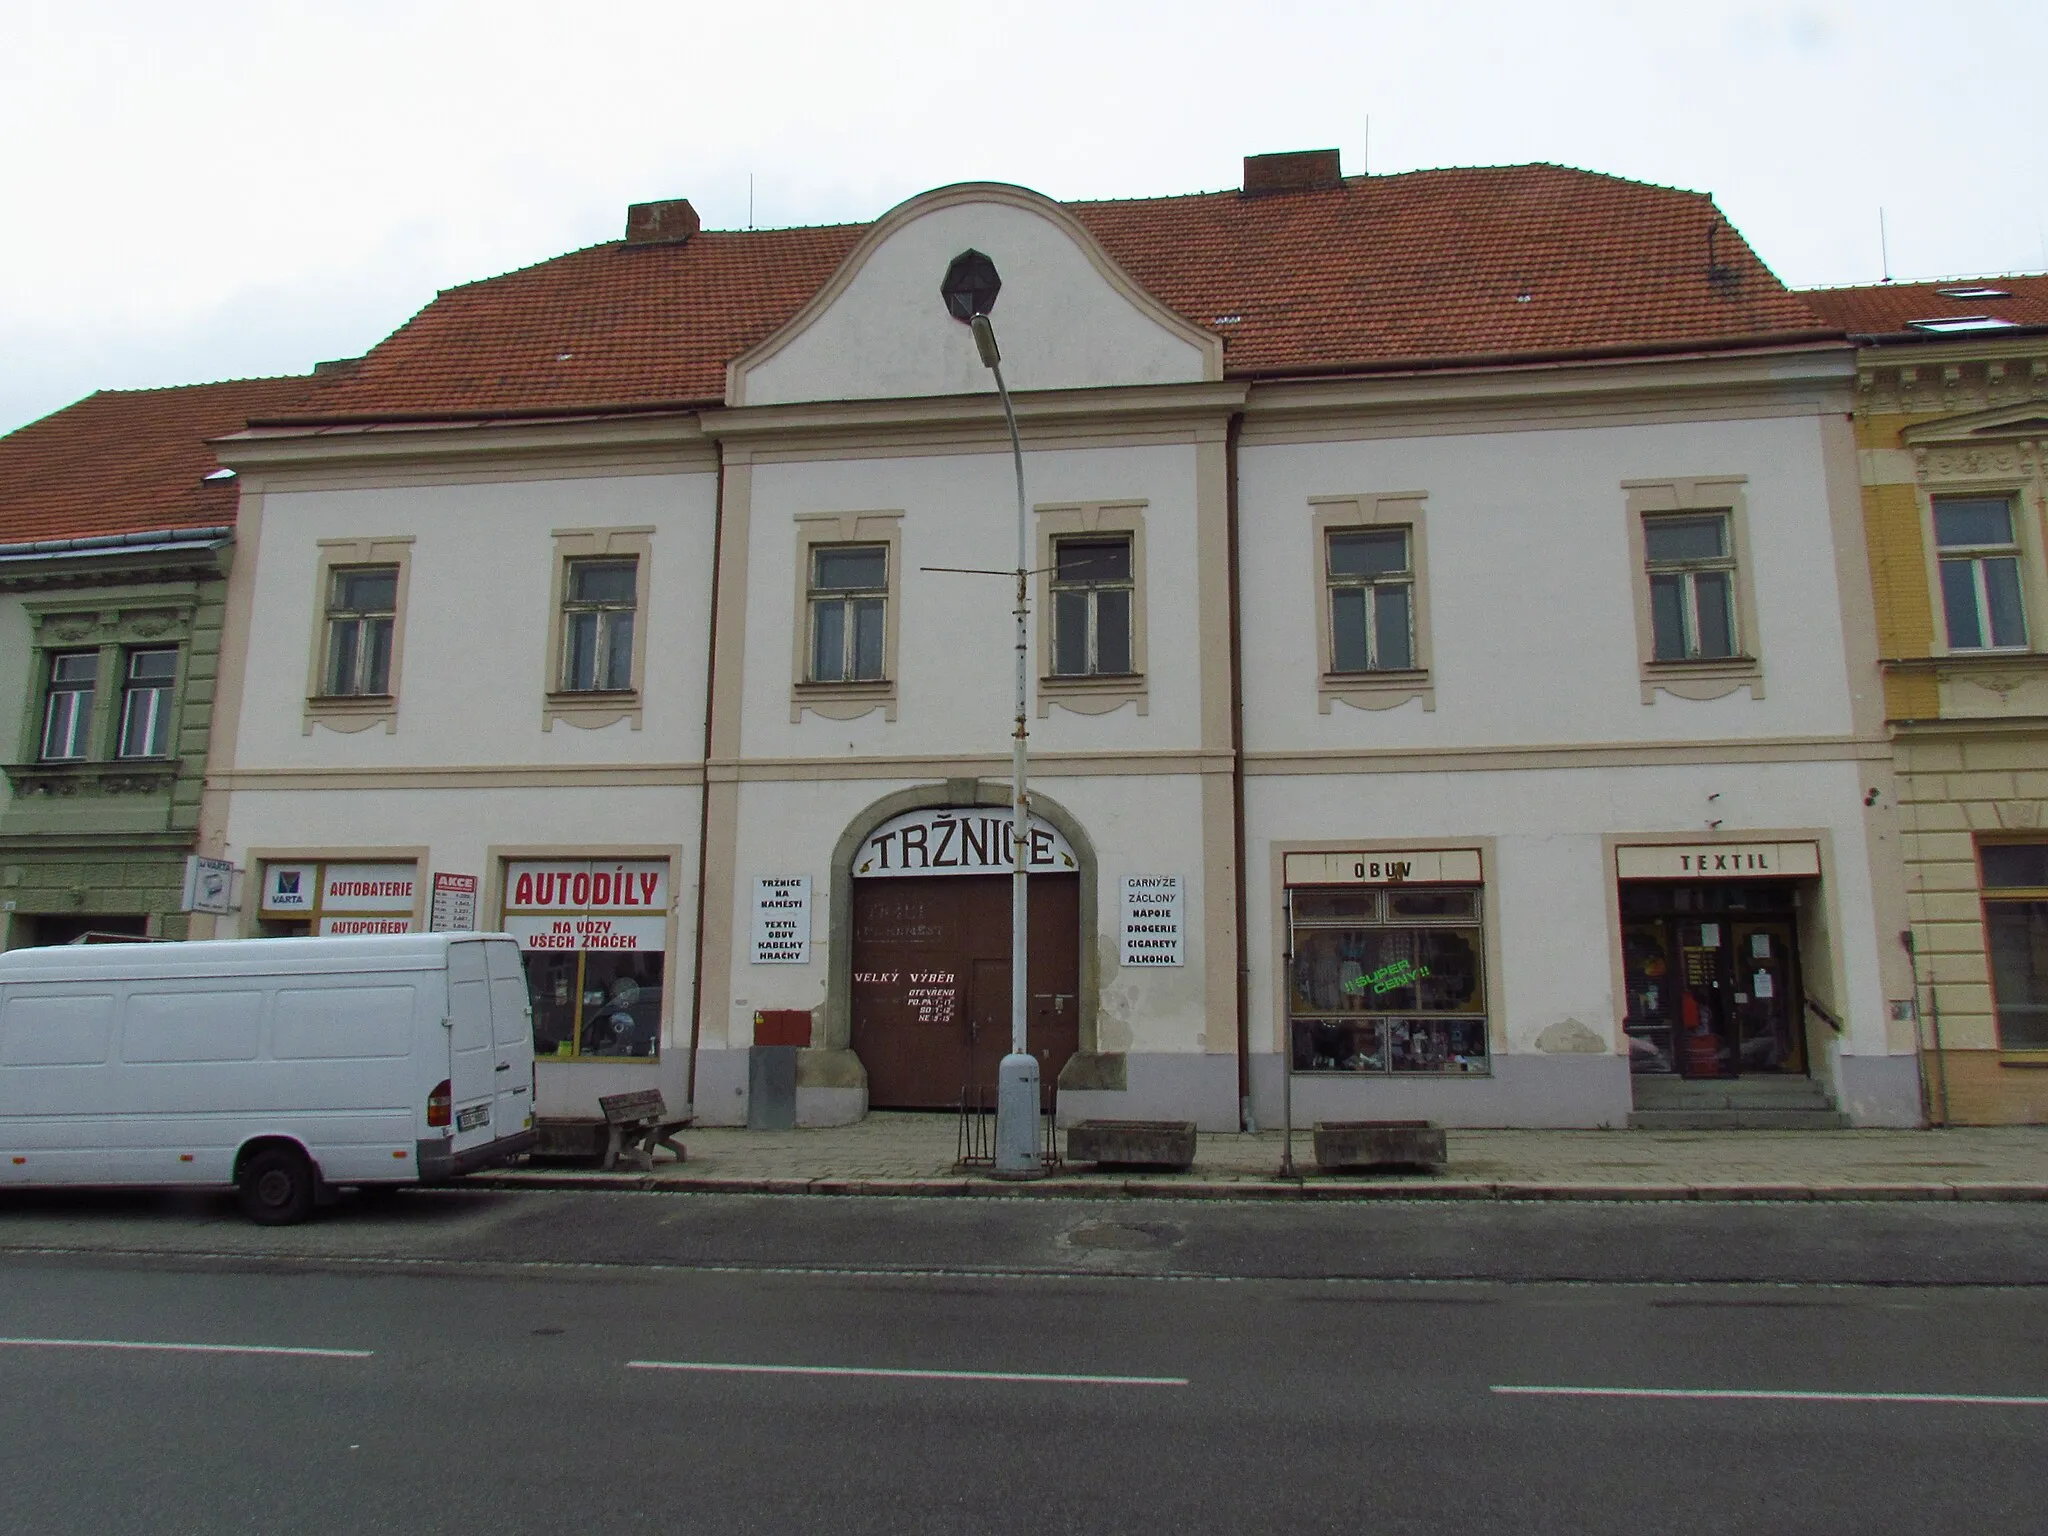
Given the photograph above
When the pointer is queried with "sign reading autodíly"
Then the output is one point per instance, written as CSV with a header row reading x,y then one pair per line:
x,y
1420,866
453,909
1717,861
588,904
966,840
782,920
1153,920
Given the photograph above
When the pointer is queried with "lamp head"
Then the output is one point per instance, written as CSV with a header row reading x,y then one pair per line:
x,y
970,286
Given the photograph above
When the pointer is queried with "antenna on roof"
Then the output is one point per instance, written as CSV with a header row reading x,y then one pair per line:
x,y
750,199
1365,154
1884,249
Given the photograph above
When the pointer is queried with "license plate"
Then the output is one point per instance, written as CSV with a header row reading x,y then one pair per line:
x,y
469,1119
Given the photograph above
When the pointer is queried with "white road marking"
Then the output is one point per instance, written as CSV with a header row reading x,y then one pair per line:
x,y
1057,1379
1972,1399
190,1349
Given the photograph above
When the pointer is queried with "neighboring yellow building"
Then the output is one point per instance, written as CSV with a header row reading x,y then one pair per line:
x,y
1952,424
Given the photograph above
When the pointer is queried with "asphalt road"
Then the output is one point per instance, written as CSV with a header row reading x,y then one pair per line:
x,y
564,1362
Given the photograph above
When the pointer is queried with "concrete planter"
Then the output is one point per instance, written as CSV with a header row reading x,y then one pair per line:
x,y
1132,1143
1349,1144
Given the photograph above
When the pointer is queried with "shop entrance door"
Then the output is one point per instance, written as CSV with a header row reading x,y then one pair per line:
x,y
931,983
1712,979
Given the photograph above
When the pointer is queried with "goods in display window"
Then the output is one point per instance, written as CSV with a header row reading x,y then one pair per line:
x,y
1387,980
593,934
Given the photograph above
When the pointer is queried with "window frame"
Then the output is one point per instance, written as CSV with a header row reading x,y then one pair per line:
x,y
92,690
848,601
163,690
359,711
852,698
1696,678
1090,693
595,708
1990,895
363,621
1380,687
1688,572
2018,549
1369,586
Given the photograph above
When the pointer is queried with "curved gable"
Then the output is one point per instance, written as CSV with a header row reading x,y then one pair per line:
x,y
1068,316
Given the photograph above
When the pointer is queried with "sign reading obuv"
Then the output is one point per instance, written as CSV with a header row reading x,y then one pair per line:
x,y
965,840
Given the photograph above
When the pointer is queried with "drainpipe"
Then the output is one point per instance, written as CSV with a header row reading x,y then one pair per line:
x,y
704,791
1245,1120
1936,1092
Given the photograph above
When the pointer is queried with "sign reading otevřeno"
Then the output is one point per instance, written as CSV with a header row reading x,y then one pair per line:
x,y
782,920
964,840
588,904
1153,925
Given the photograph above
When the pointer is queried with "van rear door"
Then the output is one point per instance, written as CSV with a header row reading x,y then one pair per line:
x,y
512,1035
473,1060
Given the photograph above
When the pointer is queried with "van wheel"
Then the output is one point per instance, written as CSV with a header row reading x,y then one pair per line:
x,y
277,1187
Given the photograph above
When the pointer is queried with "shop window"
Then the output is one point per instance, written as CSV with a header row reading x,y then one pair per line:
x,y
146,703
1091,595
598,615
362,612
1692,587
67,716
329,899
1388,980
593,935
849,611
1979,553
2016,936
1372,600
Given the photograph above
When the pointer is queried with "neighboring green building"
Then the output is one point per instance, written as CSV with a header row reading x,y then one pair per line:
x,y
116,532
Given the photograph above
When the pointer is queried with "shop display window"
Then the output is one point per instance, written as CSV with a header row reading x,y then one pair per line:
x,y
1388,981
595,1004
2016,934
593,934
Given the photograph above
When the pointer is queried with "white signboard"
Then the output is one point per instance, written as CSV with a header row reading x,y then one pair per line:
x,y
588,904
585,931
453,909
1421,866
964,840
1153,920
209,885
341,898
1717,861
342,923
782,920
291,887
368,888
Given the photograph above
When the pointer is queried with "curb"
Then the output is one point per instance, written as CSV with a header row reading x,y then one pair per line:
x,y
1111,1187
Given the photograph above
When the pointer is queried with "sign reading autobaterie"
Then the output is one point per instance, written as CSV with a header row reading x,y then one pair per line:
x,y
1153,920
782,920
588,904
967,840
341,898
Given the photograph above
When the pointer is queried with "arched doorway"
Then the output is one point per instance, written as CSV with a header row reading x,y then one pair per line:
x,y
929,993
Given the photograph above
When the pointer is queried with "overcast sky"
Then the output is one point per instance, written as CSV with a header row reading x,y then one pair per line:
x,y
213,190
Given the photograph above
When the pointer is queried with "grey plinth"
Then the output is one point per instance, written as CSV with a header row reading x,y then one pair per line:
x,y
1379,1144
1132,1143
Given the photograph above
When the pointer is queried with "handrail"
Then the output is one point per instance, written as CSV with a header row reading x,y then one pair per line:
x,y
1827,1018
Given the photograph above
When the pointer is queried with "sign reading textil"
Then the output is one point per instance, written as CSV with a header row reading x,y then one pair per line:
x,y
1717,861
453,909
968,840
588,904
782,920
1152,920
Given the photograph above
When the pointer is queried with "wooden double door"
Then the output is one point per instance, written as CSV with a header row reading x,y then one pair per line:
x,y
931,983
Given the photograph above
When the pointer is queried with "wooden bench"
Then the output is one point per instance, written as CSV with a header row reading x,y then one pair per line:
x,y
639,1122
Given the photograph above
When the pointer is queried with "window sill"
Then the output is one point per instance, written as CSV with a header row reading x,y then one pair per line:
x,y
2024,1059
843,701
352,712
85,776
1095,693
1709,677
1376,690
590,709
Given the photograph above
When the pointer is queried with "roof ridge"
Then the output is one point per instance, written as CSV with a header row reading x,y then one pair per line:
x,y
1895,283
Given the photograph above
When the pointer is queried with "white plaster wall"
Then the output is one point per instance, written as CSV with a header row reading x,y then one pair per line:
x,y
1139,825
1555,925
1530,587
1062,325
474,667
955,653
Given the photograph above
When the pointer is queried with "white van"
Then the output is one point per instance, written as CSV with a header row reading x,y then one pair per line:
x,y
279,1066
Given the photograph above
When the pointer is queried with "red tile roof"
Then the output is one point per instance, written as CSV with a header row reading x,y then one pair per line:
x,y
1888,309
1380,271
130,460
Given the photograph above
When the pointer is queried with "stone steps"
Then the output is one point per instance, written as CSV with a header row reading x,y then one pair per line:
x,y
1774,1103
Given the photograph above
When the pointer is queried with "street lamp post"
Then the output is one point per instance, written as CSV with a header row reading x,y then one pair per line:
x,y
970,290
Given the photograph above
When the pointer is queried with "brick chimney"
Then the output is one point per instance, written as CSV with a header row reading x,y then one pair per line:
x,y
665,223
1302,170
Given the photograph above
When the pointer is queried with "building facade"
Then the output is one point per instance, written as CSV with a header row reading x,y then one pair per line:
x,y
1455,680
1951,421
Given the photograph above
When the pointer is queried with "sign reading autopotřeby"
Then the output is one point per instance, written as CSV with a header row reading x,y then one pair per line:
x,y
1153,920
341,898
964,840
588,904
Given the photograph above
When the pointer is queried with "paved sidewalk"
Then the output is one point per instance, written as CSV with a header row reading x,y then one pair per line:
x,y
912,1154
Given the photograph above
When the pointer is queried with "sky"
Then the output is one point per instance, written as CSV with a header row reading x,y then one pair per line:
x,y
218,190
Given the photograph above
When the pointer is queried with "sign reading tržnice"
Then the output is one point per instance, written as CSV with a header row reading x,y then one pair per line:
x,y
962,840
782,920
1153,926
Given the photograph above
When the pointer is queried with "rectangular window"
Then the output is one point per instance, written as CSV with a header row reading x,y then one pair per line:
x,y
1980,573
1372,600
67,718
146,703
1692,586
592,935
2016,937
362,608
849,592
598,612
1387,980
1091,597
